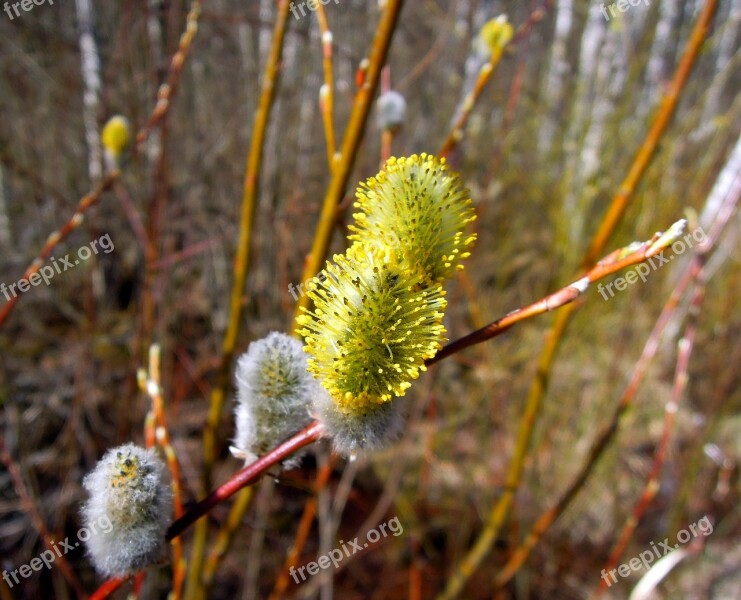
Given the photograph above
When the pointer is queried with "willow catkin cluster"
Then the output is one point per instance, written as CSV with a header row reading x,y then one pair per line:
x,y
378,308
274,395
129,488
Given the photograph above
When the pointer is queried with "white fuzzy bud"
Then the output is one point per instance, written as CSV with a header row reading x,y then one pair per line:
x,y
358,432
274,393
391,110
129,488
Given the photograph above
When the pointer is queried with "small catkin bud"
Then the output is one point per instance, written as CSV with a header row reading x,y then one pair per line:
x,y
274,395
129,489
373,326
391,110
352,433
493,36
115,137
419,211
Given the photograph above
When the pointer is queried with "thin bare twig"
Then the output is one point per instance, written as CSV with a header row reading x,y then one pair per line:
x,y
60,234
302,532
167,89
246,476
34,514
602,441
613,262
150,383
326,93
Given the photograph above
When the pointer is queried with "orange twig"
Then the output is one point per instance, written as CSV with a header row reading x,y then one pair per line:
x,y
241,264
645,153
456,131
60,234
537,390
602,441
485,73
670,410
167,89
613,262
226,535
326,94
302,532
150,383
108,588
350,144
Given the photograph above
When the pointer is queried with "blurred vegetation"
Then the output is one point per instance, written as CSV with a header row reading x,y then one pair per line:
x,y
547,145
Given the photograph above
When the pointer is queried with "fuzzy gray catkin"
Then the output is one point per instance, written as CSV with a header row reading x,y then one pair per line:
x,y
129,488
369,429
391,110
274,394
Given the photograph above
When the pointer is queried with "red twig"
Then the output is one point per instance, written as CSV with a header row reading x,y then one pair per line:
x,y
108,588
697,273
670,411
302,532
246,476
602,441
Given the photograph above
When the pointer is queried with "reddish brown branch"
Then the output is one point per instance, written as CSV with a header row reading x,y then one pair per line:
x,y
610,264
246,476
167,89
